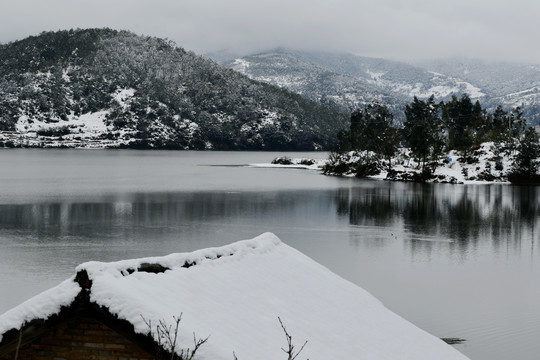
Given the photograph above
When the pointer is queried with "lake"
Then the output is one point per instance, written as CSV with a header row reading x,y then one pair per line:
x,y
456,260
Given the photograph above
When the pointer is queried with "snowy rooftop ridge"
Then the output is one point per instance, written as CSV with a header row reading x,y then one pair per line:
x,y
235,294
261,244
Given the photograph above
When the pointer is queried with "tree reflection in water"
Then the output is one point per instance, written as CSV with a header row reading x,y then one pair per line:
x,y
421,214
428,213
444,256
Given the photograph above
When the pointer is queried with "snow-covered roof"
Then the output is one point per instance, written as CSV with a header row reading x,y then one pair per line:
x,y
235,294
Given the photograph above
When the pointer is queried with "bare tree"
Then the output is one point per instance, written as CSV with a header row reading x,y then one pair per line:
x,y
187,354
167,338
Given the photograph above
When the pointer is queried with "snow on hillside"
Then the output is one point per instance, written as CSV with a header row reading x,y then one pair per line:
x,y
142,92
240,65
86,125
440,85
350,82
301,76
78,131
527,97
122,97
319,75
235,293
86,130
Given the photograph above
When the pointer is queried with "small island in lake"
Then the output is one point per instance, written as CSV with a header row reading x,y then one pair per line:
x,y
452,142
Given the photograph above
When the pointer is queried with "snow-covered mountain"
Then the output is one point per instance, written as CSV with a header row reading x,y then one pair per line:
x,y
298,73
107,88
349,80
504,83
346,79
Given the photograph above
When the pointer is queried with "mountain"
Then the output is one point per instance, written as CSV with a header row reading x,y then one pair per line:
x,y
102,87
299,73
347,81
506,84
351,81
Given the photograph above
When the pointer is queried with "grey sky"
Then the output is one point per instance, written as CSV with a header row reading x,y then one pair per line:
x,y
396,29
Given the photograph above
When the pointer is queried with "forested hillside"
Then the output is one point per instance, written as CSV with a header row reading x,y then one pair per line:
x,y
506,84
296,71
354,81
346,80
118,89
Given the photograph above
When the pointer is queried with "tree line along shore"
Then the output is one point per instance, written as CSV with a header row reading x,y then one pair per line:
x,y
434,135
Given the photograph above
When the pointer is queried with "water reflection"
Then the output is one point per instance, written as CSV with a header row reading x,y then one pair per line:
x,y
414,212
455,260
153,216
468,252
463,215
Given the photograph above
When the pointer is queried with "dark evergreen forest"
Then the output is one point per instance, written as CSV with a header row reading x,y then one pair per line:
x,y
430,131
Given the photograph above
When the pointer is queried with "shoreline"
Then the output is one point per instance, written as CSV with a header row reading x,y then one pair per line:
x,y
484,166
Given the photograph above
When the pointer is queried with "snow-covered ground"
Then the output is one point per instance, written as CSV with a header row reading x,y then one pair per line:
x,y
488,165
81,131
297,163
89,130
235,294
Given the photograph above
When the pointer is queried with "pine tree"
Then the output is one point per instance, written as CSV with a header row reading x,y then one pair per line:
x,y
526,161
422,130
372,129
467,124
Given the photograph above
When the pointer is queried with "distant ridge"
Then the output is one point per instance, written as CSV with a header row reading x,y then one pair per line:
x,y
344,80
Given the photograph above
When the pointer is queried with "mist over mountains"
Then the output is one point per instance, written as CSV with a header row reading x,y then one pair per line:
x,y
349,81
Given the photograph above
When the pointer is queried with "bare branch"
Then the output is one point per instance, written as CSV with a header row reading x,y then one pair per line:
x,y
198,343
291,354
167,338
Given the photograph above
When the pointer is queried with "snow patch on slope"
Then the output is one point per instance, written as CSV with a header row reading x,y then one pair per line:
x,y
122,97
87,124
240,65
528,97
375,76
447,86
91,123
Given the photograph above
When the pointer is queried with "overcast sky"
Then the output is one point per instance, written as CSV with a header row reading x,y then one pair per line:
x,y
396,29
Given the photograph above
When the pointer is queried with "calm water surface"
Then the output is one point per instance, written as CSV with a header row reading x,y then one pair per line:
x,y
458,261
